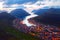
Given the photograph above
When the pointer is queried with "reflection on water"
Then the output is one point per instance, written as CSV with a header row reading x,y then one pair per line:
x,y
26,19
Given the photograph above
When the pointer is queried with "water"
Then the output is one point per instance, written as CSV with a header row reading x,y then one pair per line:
x,y
28,17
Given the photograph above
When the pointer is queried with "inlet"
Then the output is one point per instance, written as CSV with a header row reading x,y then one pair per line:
x,y
28,17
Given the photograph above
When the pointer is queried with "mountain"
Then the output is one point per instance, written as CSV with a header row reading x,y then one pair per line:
x,y
19,13
6,22
6,19
51,17
40,11
8,32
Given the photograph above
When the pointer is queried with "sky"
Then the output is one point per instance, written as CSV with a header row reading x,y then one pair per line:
x,y
28,5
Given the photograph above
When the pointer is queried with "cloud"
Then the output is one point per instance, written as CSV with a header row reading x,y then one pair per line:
x,y
1,5
28,5
35,6
42,4
9,2
14,4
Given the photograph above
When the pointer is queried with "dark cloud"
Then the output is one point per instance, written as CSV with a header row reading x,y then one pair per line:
x,y
9,2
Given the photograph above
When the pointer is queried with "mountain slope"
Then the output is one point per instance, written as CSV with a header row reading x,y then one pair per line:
x,y
19,13
40,11
8,32
51,17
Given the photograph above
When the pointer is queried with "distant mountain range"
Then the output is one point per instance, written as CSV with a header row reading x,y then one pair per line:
x,y
19,13
40,11
51,17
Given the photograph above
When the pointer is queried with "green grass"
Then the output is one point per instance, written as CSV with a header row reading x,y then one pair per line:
x,y
19,34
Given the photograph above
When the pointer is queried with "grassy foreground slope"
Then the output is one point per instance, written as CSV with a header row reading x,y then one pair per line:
x,y
19,34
